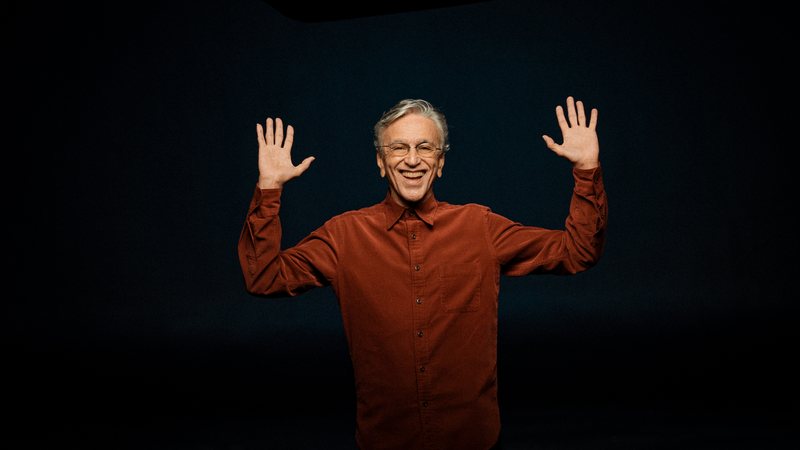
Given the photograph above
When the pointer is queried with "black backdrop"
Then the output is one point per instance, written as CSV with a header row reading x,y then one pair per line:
x,y
131,161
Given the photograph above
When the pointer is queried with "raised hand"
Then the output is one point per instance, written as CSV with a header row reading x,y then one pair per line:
x,y
275,166
580,138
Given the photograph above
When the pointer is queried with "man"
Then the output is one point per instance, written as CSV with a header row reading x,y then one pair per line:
x,y
417,279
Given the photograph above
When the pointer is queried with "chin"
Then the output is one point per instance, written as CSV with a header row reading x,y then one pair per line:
x,y
412,198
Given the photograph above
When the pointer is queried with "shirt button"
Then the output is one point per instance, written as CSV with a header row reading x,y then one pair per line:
x,y
413,235
422,369
419,333
417,267
424,404
419,301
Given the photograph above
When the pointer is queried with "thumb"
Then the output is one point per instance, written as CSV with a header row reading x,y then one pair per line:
x,y
551,144
303,166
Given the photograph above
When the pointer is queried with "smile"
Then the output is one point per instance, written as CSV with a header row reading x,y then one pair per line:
x,y
412,174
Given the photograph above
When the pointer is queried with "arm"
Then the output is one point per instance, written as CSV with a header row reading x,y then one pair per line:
x,y
521,250
266,269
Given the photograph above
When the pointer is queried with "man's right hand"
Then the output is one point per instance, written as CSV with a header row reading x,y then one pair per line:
x,y
275,166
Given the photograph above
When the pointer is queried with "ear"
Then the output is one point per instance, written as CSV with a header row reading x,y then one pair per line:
x,y
379,159
441,165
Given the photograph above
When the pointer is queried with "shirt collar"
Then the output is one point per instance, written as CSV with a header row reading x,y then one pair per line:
x,y
394,212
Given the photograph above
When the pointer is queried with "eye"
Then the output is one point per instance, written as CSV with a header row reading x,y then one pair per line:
x,y
398,148
426,148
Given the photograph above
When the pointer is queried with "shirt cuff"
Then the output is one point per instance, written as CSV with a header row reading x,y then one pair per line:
x,y
588,181
265,202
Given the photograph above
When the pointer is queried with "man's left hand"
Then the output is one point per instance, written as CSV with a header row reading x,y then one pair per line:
x,y
580,145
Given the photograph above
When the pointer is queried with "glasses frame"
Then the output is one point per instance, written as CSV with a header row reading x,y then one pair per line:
x,y
408,148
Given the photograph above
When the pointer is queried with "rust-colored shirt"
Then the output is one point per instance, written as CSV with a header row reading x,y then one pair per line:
x,y
418,294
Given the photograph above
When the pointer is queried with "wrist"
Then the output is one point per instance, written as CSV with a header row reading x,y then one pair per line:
x,y
586,165
266,183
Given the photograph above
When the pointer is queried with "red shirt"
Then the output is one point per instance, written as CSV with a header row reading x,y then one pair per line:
x,y
417,289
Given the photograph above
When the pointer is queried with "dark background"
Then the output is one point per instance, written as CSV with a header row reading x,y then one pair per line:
x,y
131,158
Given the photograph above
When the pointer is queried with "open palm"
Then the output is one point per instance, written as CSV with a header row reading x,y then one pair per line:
x,y
275,166
580,145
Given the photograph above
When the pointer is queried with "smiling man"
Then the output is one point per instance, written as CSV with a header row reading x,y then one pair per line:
x,y
417,279
410,173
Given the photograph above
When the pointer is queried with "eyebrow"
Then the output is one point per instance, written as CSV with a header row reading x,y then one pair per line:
x,y
422,141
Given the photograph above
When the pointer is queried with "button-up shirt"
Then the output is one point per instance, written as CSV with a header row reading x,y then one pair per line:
x,y
418,289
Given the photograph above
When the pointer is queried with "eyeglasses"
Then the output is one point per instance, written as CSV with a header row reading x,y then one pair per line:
x,y
401,149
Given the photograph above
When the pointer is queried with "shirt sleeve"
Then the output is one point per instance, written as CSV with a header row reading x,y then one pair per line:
x,y
522,250
270,271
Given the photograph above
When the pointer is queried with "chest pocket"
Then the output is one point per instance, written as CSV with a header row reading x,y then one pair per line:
x,y
460,287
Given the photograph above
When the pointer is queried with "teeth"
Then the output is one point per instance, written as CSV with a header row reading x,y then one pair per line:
x,y
412,174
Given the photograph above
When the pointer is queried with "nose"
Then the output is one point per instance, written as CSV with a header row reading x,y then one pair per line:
x,y
412,158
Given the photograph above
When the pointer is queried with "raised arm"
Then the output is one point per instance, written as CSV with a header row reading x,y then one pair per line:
x,y
523,249
580,146
267,269
275,166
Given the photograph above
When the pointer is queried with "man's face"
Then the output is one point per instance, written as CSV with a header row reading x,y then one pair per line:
x,y
411,176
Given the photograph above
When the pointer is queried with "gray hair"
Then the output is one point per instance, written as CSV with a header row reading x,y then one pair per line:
x,y
413,106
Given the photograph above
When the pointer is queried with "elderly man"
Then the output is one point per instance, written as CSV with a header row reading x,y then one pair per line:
x,y
417,279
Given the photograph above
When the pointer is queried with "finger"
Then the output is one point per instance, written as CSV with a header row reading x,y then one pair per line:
x,y
303,166
573,118
260,135
593,119
279,132
551,144
581,113
270,134
562,122
289,138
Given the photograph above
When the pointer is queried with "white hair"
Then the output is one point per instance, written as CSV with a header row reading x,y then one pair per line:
x,y
412,106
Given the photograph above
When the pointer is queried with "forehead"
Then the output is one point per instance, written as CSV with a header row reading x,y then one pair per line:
x,y
411,127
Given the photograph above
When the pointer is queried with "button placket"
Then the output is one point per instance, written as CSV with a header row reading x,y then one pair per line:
x,y
419,311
